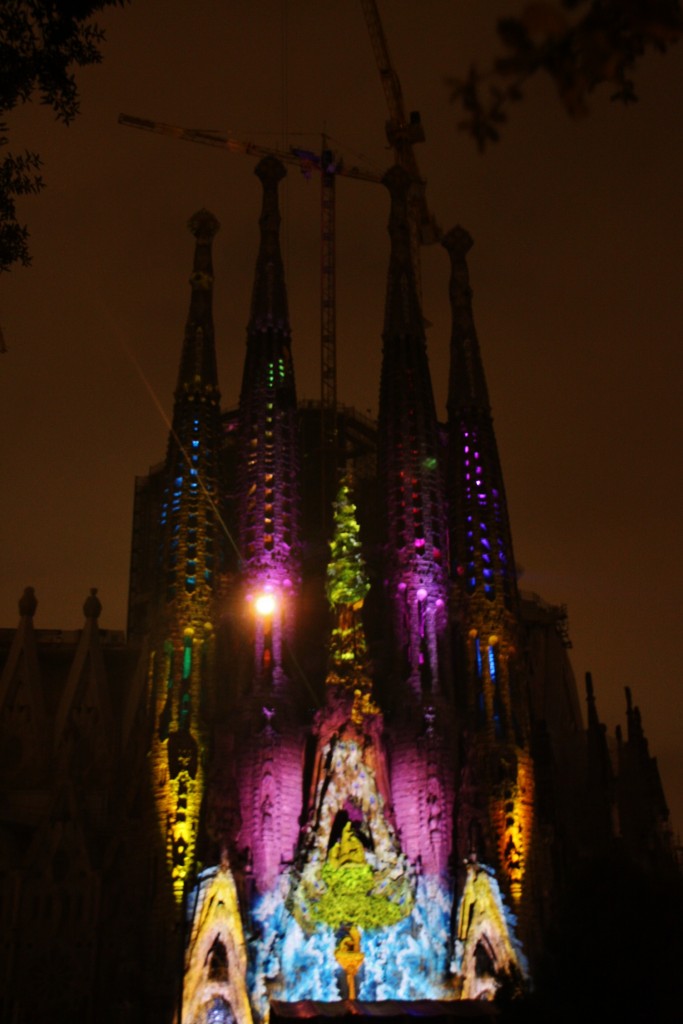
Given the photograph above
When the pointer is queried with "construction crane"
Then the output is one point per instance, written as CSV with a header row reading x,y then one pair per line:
x,y
403,131
329,165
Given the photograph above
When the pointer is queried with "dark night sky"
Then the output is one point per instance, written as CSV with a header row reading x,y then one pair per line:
x,y
578,249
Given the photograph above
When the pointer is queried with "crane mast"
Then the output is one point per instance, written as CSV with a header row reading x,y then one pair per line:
x,y
329,165
403,131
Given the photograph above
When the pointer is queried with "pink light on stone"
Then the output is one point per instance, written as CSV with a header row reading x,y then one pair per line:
x,y
421,594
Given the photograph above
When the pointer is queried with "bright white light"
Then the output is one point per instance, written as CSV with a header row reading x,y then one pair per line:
x,y
265,604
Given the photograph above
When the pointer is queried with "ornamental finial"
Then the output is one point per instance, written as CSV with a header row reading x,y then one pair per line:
x,y
92,605
204,226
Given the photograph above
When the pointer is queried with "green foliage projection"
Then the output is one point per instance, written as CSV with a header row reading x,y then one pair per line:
x,y
347,582
349,899
346,587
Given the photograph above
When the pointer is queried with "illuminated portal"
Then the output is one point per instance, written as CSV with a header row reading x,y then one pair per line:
x,y
214,988
353,919
486,950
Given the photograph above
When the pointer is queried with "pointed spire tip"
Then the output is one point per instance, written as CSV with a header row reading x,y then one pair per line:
x,y
270,170
28,602
203,226
458,241
92,606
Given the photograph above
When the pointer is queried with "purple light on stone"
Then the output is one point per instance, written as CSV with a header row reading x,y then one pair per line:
x,y
402,586
421,594
439,602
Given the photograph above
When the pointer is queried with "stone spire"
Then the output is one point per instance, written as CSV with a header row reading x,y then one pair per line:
x,y
491,691
402,312
597,804
189,515
643,811
198,360
269,450
191,541
409,462
467,384
268,760
24,722
482,560
84,709
415,557
269,297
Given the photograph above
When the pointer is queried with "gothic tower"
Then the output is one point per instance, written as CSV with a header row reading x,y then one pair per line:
x,y
183,619
415,559
495,805
269,764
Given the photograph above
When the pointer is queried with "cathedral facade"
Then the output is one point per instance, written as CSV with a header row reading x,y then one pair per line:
x,y
338,765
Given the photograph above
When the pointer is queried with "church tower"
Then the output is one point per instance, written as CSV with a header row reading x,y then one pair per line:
x,y
269,761
495,804
410,475
183,619
415,558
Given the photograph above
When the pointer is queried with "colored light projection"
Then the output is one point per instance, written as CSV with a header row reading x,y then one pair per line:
x,y
410,474
347,586
269,446
181,663
353,874
214,985
352,919
512,814
178,768
486,950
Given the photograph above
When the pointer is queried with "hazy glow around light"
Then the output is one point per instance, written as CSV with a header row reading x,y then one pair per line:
x,y
265,604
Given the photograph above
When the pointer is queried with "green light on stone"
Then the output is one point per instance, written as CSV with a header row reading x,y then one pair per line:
x,y
187,659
